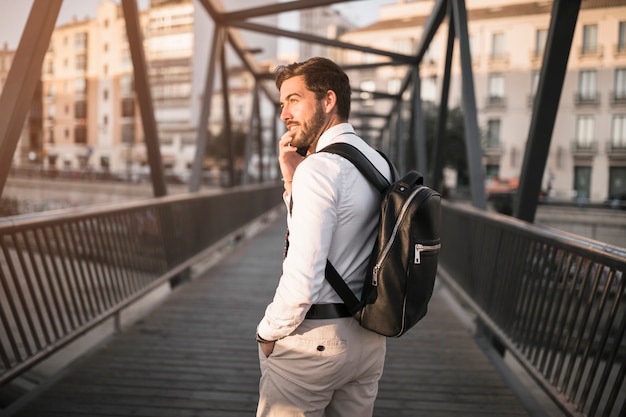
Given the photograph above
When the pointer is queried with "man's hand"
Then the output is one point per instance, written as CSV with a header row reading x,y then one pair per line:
x,y
288,159
267,348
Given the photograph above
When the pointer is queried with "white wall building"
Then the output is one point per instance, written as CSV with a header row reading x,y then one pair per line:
x,y
507,38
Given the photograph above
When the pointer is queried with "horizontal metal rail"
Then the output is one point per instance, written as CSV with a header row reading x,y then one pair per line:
x,y
556,301
64,272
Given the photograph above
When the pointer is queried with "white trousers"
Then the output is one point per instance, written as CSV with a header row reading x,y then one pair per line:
x,y
325,368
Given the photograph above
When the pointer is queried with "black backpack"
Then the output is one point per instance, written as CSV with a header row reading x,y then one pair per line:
x,y
403,265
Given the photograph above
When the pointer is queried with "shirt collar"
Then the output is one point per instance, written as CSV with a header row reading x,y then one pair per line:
x,y
332,135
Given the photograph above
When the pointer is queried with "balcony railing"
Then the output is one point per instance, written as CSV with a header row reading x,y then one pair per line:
x,y
582,148
618,98
493,149
495,102
616,147
587,99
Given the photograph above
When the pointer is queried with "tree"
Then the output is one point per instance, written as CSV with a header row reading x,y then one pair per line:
x,y
217,145
454,152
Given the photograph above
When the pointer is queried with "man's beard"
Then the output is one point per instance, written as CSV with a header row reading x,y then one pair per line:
x,y
310,130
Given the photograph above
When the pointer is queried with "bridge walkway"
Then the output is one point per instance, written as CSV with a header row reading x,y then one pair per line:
x,y
195,355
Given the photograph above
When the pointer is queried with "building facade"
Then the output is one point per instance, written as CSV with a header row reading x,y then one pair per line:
x,y
587,157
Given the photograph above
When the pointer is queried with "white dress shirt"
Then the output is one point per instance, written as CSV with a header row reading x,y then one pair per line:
x,y
334,216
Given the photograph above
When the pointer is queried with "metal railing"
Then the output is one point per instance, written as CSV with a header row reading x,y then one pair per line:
x,y
62,273
555,301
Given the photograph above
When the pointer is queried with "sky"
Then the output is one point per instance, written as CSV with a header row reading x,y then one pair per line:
x,y
13,14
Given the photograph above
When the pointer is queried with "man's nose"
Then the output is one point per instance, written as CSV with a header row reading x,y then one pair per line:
x,y
285,115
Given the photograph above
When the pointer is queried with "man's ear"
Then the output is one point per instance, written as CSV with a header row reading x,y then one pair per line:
x,y
330,102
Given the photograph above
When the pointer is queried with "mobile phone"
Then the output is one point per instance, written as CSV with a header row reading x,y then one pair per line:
x,y
303,150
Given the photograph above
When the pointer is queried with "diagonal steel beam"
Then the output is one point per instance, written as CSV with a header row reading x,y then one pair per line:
x,y
142,88
198,162
255,27
430,28
23,77
553,70
438,159
472,133
277,8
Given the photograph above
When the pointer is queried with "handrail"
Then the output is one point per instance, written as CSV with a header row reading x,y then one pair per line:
x,y
64,272
554,300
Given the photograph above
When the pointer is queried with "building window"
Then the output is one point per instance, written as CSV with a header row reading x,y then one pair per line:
x,y
80,87
81,62
587,85
534,82
590,39
128,107
541,36
585,131
80,109
429,88
582,181
126,85
496,88
127,61
52,111
618,132
394,85
492,139
403,46
80,41
621,40
617,182
619,94
80,134
498,47
128,133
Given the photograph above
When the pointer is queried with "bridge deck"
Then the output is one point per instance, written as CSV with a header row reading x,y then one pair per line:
x,y
195,355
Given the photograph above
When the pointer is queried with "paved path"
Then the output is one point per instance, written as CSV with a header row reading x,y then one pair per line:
x,y
195,355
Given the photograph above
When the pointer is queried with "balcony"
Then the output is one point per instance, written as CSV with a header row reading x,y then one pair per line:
x,y
616,148
498,62
587,99
581,147
494,148
591,53
495,102
619,51
536,58
618,98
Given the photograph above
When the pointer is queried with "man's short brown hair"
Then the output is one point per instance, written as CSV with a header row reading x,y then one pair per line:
x,y
320,75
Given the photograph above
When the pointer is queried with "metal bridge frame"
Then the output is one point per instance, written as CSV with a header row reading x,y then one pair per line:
x,y
538,297
26,70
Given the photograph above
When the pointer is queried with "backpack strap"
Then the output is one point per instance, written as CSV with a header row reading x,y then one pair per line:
x,y
373,175
364,165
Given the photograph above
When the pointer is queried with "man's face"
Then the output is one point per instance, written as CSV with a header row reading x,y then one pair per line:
x,y
302,113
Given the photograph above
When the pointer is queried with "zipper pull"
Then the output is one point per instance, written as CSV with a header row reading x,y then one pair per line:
x,y
418,254
375,275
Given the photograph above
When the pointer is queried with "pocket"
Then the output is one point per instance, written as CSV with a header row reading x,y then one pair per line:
x,y
301,346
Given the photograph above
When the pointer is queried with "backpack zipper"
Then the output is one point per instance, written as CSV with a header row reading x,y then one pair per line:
x,y
403,211
419,248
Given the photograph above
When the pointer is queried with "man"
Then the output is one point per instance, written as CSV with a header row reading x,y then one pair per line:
x,y
316,360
